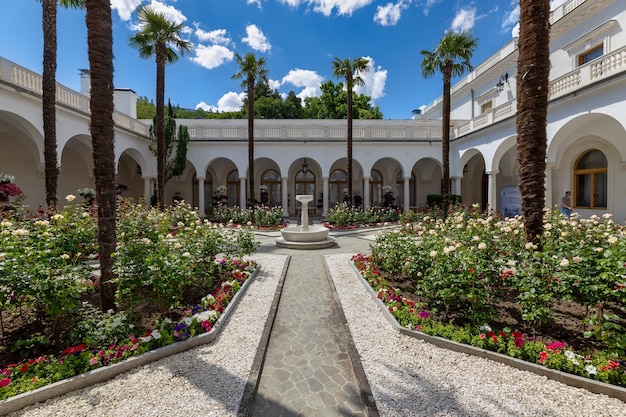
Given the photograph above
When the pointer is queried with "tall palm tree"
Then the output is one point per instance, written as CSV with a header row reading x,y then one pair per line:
x,y
48,94
100,41
451,58
156,37
251,69
350,70
533,68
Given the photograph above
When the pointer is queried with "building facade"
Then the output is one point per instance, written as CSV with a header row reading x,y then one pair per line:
x,y
586,137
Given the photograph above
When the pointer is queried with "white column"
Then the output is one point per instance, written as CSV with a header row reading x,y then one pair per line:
x,y
492,196
201,207
147,190
366,193
456,185
243,203
548,185
325,198
285,196
407,195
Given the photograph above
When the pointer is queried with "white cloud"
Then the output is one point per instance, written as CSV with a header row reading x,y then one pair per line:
x,y
464,20
389,14
511,20
212,56
257,39
206,107
170,12
257,2
217,36
309,80
375,80
326,7
231,101
291,3
125,8
274,84
429,5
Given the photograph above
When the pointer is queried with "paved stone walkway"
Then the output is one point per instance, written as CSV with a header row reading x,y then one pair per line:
x,y
311,367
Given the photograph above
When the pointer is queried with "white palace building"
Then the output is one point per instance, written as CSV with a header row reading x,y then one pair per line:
x,y
586,136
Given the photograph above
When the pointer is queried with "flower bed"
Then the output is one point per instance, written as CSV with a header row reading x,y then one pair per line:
x,y
164,262
449,277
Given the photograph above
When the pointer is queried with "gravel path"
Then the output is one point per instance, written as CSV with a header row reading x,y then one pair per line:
x,y
205,381
409,377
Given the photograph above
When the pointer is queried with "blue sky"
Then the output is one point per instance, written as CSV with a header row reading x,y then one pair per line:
x,y
298,38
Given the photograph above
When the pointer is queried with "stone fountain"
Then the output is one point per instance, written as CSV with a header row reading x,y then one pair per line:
x,y
305,236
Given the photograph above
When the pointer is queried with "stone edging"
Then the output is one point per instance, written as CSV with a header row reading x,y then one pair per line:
x,y
591,385
105,373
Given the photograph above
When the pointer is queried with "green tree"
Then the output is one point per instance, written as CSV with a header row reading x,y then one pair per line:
x,y
175,145
332,104
48,94
100,51
293,106
451,58
532,111
145,108
350,70
250,70
160,38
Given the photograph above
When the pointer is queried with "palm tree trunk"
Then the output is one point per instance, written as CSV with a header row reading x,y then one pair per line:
x,y
48,99
251,144
349,145
100,40
160,127
533,70
445,140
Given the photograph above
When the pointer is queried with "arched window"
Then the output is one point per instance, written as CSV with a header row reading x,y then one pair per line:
x,y
271,179
208,192
337,181
590,179
305,183
232,185
376,188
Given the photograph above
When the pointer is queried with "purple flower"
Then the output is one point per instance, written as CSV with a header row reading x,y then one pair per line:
x,y
424,314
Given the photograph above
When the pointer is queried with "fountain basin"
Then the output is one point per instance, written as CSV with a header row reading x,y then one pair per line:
x,y
316,237
314,233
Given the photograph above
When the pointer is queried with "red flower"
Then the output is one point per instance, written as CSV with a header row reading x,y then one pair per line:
x,y
482,335
4,382
24,367
543,356
419,327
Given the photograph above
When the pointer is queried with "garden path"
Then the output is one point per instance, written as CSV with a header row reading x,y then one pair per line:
x,y
311,367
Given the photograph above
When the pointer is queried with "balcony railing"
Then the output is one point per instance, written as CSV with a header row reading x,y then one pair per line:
x,y
25,80
415,132
586,75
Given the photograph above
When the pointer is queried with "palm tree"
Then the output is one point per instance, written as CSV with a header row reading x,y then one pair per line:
x,y
533,66
451,58
48,93
251,69
350,70
100,41
156,37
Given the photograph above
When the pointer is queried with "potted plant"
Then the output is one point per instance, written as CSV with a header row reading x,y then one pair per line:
x,y
8,188
388,197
